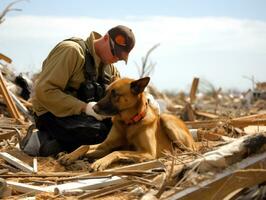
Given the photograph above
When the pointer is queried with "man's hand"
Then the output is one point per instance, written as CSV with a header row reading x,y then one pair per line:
x,y
90,111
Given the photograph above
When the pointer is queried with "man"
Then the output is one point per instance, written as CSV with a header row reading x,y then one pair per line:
x,y
73,78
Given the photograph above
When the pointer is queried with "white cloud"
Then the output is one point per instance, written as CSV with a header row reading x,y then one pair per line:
x,y
220,49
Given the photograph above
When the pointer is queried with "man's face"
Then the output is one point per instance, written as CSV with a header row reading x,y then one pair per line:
x,y
108,55
116,57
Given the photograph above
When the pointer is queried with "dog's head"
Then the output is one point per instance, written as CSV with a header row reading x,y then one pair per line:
x,y
121,95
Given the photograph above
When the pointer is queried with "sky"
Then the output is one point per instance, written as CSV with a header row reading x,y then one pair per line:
x,y
219,41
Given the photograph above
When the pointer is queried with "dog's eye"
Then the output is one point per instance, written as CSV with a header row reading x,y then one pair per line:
x,y
115,94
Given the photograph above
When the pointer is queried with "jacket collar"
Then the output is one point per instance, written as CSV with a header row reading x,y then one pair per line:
x,y
89,42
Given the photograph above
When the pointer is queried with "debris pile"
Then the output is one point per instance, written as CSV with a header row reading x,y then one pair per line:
x,y
230,130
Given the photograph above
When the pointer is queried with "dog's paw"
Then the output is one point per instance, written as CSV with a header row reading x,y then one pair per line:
x,y
66,159
100,165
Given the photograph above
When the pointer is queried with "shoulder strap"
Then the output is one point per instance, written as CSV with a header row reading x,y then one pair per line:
x,y
90,70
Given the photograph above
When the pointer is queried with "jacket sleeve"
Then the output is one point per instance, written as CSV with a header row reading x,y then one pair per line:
x,y
61,65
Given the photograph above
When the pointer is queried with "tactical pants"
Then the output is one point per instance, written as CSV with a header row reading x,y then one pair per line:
x,y
58,134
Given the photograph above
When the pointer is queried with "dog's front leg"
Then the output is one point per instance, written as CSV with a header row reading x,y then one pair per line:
x,y
135,156
114,140
69,158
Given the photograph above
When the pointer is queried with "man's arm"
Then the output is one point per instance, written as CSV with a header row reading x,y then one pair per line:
x,y
64,65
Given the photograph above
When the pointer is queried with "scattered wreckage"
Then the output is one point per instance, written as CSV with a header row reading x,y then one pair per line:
x,y
230,132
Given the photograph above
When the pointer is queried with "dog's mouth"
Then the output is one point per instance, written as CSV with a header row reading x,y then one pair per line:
x,y
107,111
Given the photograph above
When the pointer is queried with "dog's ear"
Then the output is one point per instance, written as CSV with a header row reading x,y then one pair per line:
x,y
138,86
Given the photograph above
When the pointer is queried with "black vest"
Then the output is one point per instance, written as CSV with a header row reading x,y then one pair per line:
x,y
93,88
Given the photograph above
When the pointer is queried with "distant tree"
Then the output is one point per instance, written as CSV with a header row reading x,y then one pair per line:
x,y
8,9
252,79
146,68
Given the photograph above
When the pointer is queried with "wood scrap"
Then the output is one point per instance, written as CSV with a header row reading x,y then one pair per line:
x,y
87,184
10,103
193,90
187,113
206,114
5,58
3,171
232,178
6,134
259,119
16,162
106,190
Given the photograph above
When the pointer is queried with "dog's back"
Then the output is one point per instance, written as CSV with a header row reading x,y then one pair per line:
x,y
170,132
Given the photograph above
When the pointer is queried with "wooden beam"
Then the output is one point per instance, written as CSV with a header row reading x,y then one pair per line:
x,y
16,162
24,188
87,184
106,190
5,58
6,134
239,122
206,114
228,181
193,90
203,124
9,101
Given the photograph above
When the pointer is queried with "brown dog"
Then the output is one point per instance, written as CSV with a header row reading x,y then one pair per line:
x,y
136,126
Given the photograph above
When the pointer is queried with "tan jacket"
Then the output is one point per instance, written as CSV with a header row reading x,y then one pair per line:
x,y
63,69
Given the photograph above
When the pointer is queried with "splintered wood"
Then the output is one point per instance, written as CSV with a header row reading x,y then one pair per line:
x,y
10,103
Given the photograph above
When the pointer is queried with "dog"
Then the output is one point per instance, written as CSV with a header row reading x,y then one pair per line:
x,y
137,127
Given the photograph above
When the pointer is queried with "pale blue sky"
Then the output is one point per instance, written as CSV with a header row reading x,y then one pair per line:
x,y
250,9
218,40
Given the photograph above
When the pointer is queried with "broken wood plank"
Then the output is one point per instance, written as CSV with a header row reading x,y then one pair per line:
x,y
3,171
20,106
193,90
255,116
153,164
206,114
9,101
254,129
98,183
247,122
24,188
16,162
12,126
6,134
35,165
237,122
231,178
5,58
257,119
106,191
43,175
88,184
187,113
203,124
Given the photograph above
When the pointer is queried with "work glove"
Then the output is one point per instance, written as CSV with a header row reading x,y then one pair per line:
x,y
90,111
153,103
